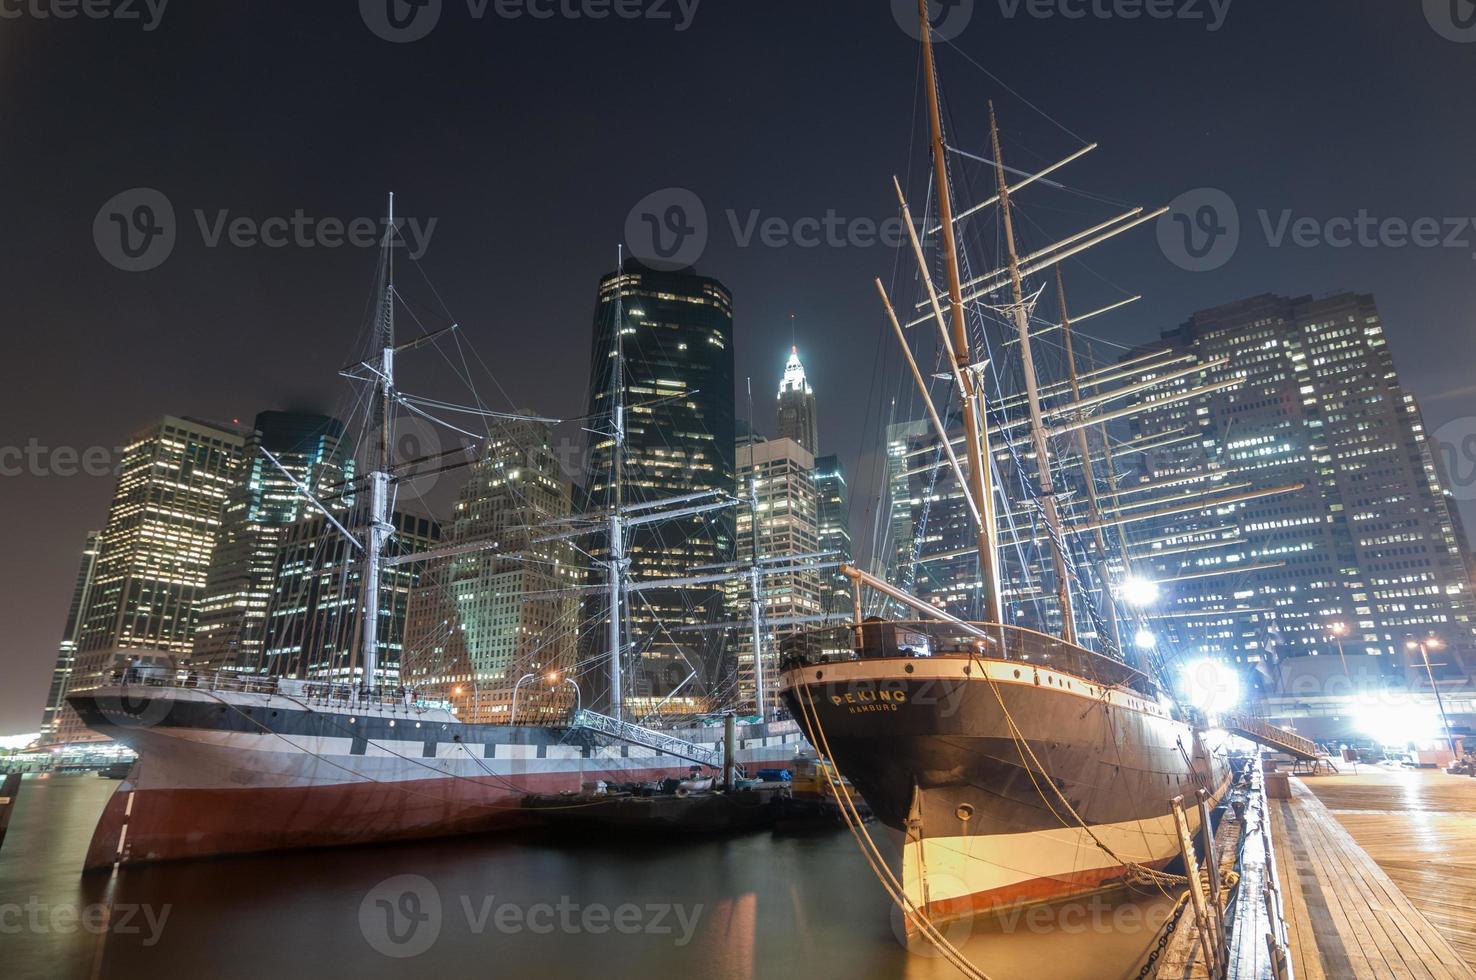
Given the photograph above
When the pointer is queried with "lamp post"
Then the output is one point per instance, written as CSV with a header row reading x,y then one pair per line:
x,y
1423,646
578,699
1340,630
513,717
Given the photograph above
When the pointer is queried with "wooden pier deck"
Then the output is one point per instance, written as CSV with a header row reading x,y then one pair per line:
x,y
1346,915
1419,826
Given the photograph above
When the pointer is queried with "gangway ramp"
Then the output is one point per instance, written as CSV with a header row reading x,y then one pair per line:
x,y
649,738
1273,737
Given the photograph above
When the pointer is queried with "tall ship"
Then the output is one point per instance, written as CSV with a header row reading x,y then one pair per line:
x,y
1012,765
240,761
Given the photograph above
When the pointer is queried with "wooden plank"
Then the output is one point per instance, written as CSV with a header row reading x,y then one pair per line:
x,y
1419,828
1303,941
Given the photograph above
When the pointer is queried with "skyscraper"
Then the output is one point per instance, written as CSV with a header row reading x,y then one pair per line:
x,y
155,551
833,515
797,405
1368,544
671,333
262,505
61,675
481,622
780,475
313,620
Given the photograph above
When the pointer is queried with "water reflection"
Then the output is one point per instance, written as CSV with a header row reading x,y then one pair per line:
x,y
754,907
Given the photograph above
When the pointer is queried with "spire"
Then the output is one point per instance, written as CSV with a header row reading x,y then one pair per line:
x,y
794,375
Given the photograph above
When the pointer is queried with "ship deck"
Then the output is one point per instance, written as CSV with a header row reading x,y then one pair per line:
x,y
1377,870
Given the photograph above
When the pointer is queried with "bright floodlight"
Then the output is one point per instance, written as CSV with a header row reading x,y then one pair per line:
x,y
1139,591
1211,686
1399,723
1145,640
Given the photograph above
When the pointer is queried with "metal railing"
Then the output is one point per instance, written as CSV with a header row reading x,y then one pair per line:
x,y
648,737
883,639
1271,736
320,692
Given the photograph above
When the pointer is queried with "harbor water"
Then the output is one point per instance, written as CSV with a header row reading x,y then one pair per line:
x,y
527,905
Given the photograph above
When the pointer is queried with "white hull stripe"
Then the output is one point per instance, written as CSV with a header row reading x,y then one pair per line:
x,y
957,867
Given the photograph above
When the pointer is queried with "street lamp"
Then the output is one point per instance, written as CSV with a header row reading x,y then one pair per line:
x,y
1340,630
513,718
1138,591
1424,647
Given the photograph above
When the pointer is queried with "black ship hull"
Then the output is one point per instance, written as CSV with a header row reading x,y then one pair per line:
x,y
1010,783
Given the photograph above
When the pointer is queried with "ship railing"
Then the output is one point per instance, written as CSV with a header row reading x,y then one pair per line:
x,y
886,639
310,691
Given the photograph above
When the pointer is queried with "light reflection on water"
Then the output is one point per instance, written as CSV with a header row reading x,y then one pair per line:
x,y
530,906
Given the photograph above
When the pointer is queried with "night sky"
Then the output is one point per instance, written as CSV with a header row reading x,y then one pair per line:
x,y
529,141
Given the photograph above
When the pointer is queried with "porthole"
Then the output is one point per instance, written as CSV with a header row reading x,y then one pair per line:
x,y
819,674
968,670
392,723
907,667
1017,674
965,812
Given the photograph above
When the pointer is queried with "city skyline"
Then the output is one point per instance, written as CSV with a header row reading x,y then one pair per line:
x,y
301,293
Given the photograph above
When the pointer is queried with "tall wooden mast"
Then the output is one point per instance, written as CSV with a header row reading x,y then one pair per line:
x,y
973,400
1088,477
1032,393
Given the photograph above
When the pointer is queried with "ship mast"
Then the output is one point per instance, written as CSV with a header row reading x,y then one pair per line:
x,y
378,531
1032,392
616,566
973,399
1094,510
755,590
